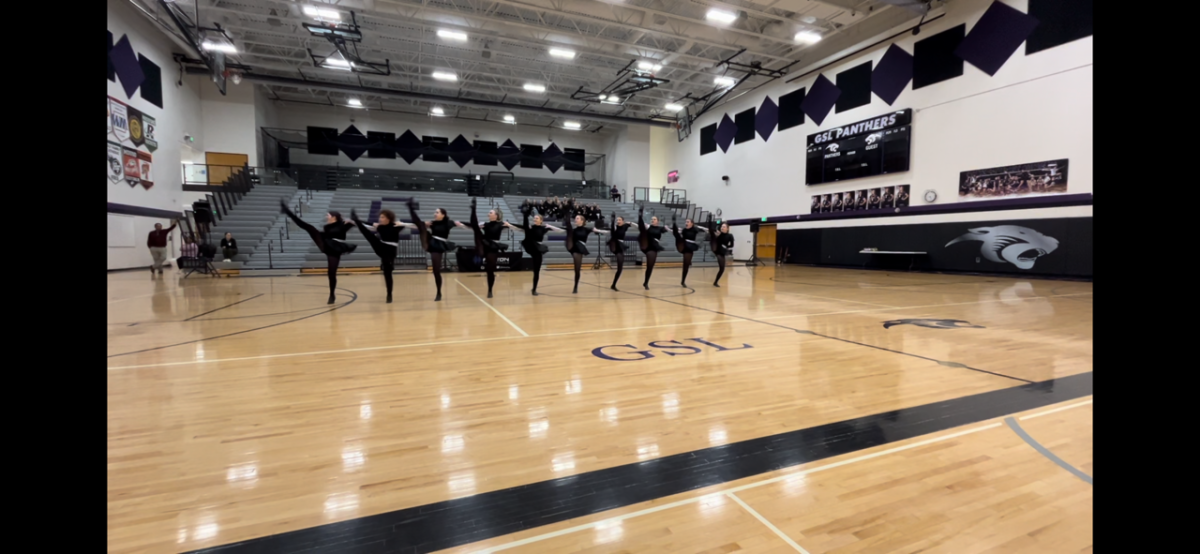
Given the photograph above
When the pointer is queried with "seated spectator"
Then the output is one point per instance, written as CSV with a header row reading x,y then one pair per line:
x,y
615,193
229,247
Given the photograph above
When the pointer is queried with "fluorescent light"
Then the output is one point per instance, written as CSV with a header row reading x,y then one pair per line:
x,y
219,47
725,81
437,111
674,107
612,99
573,125
562,53
603,97
336,63
534,87
444,76
510,119
355,102
453,35
649,66
808,37
720,16
321,13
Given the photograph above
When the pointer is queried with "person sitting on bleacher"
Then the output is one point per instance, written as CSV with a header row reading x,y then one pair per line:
x,y
615,193
229,247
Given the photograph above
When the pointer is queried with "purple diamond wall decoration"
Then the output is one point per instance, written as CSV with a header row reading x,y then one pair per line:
x,y
820,99
509,154
893,72
995,37
461,151
352,143
766,118
552,158
726,131
409,147
126,65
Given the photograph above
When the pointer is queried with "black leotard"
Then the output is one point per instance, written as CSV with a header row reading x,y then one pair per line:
x,y
616,243
653,235
491,236
690,235
724,243
440,229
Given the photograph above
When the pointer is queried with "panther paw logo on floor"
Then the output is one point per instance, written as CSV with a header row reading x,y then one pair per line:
x,y
933,323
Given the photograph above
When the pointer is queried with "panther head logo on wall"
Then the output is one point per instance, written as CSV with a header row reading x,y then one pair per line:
x,y
1019,246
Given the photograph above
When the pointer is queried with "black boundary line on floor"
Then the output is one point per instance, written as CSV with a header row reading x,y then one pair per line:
x,y
338,307
483,516
226,306
807,332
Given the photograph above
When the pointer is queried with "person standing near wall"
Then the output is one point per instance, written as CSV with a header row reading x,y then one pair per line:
x,y
157,243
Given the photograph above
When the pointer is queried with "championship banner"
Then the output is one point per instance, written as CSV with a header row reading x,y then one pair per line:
x,y
145,162
132,166
116,162
135,126
119,119
148,125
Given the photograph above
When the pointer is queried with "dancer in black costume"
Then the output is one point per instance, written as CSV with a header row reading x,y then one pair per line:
x,y
331,241
685,243
487,241
577,244
384,245
435,239
616,245
721,243
648,241
534,234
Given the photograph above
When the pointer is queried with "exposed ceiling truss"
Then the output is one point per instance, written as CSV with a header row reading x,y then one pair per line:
x,y
507,47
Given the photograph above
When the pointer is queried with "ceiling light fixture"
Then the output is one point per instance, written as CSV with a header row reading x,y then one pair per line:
x,y
355,102
322,13
603,97
674,107
572,125
444,76
720,16
336,63
219,47
534,87
724,81
649,66
562,53
510,119
453,35
808,37
437,111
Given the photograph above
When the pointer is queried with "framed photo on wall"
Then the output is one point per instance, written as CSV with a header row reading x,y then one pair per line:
x,y
902,196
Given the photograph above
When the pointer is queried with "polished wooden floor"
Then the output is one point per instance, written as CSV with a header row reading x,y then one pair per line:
x,y
246,407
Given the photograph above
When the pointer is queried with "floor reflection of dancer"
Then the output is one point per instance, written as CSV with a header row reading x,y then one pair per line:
x,y
721,242
577,244
534,234
487,241
685,243
331,241
616,245
435,239
648,241
384,245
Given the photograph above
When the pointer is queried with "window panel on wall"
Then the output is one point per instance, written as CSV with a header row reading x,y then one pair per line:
x,y
485,152
438,144
790,114
531,156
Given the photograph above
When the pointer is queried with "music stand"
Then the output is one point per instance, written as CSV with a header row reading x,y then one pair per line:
x,y
754,253
600,254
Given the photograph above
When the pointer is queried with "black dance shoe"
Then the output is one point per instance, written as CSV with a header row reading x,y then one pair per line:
x,y
332,299
438,298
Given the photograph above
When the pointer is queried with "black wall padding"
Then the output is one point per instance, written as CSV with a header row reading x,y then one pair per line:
x,y
151,88
708,139
745,126
322,140
574,158
856,87
1059,22
382,145
790,114
485,153
934,60
531,156
438,146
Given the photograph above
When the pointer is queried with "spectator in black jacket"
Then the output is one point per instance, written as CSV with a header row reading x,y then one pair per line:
x,y
229,247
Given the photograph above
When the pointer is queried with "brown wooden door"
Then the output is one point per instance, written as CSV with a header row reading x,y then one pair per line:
x,y
764,248
222,165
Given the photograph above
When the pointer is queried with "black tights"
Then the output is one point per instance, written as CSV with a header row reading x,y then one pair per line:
x,y
620,266
651,257
490,264
386,253
578,265
721,268
437,269
687,264
537,267
331,259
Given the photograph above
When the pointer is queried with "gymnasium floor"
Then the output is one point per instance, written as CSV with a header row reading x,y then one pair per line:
x,y
799,410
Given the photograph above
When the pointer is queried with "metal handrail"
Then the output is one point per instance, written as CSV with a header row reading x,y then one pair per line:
x,y
281,240
270,259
